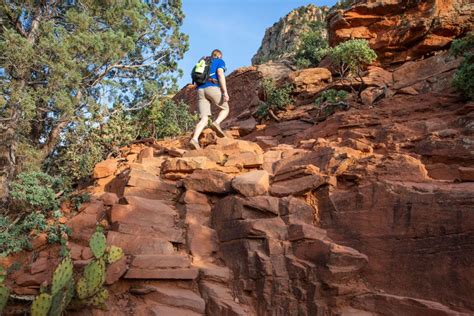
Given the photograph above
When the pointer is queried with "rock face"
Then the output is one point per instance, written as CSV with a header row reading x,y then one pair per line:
x,y
402,30
283,37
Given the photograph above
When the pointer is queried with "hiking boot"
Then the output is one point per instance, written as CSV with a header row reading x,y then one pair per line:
x,y
216,128
194,144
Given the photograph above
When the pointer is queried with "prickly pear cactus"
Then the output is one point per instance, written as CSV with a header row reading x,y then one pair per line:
x,y
4,294
41,305
99,300
62,299
115,254
93,279
97,243
62,275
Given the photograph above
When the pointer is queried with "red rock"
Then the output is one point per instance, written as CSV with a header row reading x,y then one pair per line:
x,y
466,173
219,300
105,168
297,186
403,30
147,152
160,261
194,197
202,241
40,265
87,253
109,198
252,183
208,181
115,271
305,231
94,208
246,127
308,82
197,214
245,159
26,279
75,250
177,297
163,274
136,245
82,226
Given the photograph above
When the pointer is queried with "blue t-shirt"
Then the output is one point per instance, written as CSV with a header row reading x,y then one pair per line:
x,y
215,64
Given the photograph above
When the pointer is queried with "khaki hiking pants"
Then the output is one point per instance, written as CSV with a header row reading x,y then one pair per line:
x,y
210,95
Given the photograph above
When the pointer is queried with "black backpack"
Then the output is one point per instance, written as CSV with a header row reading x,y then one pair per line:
x,y
200,73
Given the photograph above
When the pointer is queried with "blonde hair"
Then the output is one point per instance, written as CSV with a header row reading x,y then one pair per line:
x,y
216,53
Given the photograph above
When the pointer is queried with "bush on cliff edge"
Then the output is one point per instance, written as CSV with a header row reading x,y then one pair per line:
x,y
464,77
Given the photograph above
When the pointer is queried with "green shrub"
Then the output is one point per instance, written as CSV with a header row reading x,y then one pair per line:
x,y
276,99
35,191
15,235
352,56
173,119
464,78
343,4
331,100
313,47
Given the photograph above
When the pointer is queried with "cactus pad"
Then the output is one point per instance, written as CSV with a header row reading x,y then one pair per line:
x,y
4,293
99,300
115,254
91,282
82,289
97,243
62,275
41,305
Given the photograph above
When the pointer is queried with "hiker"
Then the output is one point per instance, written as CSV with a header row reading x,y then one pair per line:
x,y
208,74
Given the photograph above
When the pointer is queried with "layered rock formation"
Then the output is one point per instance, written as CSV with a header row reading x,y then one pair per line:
x,y
402,30
282,38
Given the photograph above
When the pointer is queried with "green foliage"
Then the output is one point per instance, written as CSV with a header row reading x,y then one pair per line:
x,y
331,96
15,235
78,199
464,77
276,99
66,63
35,191
343,4
352,56
331,100
166,119
61,276
313,47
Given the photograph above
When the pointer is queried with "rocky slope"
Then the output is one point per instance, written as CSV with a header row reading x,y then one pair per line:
x,y
367,211
282,38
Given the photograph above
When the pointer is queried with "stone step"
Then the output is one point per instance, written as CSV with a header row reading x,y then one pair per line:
x,y
160,261
219,300
144,212
177,297
165,310
212,272
138,245
163,274
171,234
153,194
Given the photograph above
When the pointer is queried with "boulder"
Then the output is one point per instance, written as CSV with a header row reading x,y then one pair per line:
x,y
252,183
208,181
105,168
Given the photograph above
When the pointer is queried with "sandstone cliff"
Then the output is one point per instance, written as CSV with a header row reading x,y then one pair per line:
x,y
402,30
282,38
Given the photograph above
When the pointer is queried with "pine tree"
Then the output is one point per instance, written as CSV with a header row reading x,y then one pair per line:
x,y
62,62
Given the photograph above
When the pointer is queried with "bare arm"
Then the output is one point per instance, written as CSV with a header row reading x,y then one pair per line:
x,y
221,77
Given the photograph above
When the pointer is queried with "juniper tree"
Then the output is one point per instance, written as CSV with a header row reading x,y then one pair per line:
x,y
61,62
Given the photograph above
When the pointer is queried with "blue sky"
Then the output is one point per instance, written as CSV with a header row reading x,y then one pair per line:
x,y
236,27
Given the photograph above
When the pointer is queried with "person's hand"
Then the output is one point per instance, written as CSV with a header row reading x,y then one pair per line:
x,y
226,97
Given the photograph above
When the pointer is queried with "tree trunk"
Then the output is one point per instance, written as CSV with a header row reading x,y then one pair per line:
x,y
7,152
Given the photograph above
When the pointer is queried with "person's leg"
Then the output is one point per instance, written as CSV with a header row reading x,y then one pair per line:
x,y
204,111
215,95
